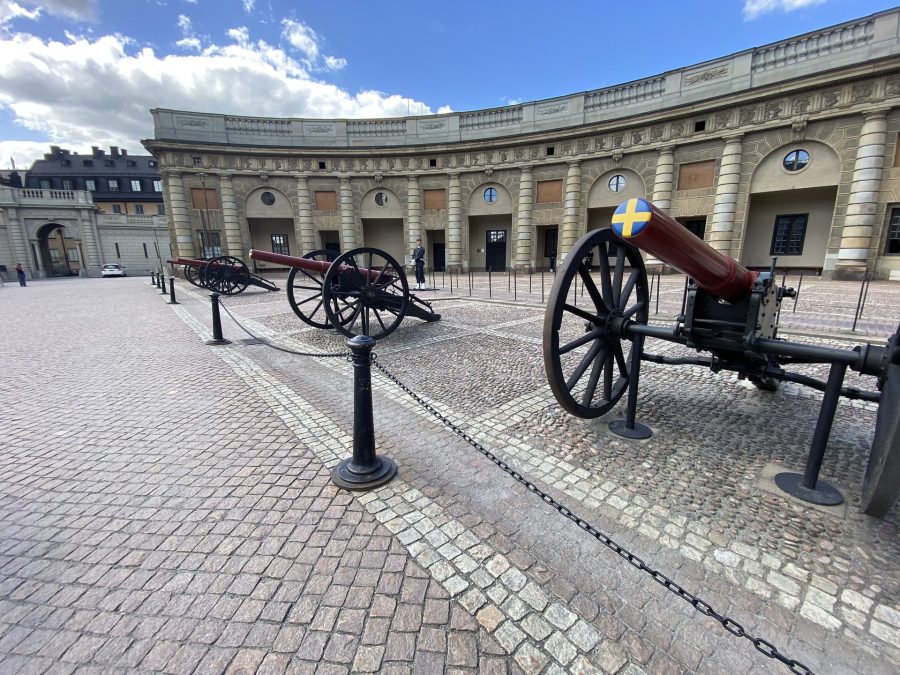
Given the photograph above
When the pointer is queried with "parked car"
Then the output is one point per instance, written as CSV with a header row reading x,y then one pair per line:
x,y
112,271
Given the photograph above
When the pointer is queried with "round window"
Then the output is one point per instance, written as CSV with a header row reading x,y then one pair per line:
x,y
490,195
796,160
617,183
267,198
381,198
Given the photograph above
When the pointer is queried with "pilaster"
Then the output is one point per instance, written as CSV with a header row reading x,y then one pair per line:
x,y
348,221
180,218
234,243
524,231
722,232
413,211
571,226
454,225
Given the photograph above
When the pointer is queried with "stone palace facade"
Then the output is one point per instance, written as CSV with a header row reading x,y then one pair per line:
x,y
789,149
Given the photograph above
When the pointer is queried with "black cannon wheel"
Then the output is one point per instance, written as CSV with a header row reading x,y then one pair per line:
x,y
304,291
365,289
881,483
225,274
587,359
192,274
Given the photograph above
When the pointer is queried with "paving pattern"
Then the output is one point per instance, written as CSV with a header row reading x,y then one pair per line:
x,y
166,506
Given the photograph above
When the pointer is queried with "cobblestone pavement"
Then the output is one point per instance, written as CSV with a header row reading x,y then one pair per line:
x,y
166,506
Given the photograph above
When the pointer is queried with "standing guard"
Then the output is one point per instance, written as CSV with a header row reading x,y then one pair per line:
x,y
419,260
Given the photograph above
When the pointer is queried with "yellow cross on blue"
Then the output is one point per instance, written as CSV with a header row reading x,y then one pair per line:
x,y
631,217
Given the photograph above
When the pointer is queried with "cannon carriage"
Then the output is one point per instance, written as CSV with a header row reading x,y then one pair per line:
x,y
362,291
224,274
593,350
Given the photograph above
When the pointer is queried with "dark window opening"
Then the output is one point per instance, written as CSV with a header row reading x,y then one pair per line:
x,y
789,233
892,246
118,254
550,150
700,125
198,161
432,162
280,244
321,164
210,243
696,226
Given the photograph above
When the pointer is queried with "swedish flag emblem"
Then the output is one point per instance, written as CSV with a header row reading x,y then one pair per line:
x,y
631,217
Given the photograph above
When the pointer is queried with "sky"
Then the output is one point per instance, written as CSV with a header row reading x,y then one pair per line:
x,y
82,73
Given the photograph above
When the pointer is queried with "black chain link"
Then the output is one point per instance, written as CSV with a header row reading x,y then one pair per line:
x,y
729,624
283,349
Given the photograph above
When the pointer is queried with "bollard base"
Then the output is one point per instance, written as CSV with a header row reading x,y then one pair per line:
x,y
380,473
823,494
639,433
220,341
173,302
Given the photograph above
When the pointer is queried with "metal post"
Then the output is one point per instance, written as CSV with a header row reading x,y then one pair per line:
x,y
451,282
365,470
444,276
489,283
530,274
628,428
172,300
859,303
542,287
508,280
808,487
162,284
658,280
433,285
153,277
515,286
797,294
470,282
217,338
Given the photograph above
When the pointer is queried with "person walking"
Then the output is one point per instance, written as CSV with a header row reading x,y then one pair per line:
x,y
419,260
20,272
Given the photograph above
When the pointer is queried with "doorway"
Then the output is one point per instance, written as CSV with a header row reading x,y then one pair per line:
x,y
438,256
495,250
331,241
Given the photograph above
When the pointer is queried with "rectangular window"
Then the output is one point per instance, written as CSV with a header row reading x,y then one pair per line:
x,y
135,186
72,254
549,191
67,232
113,185
696,226
280,244
435,199
67,183
90,184
204,199
198,161
326,201
117,208
210,243
157,186
108,162
892,246
696,175
118,254
151,163
161,209
45,185
87,162
139,209
145,251
789,233
54,255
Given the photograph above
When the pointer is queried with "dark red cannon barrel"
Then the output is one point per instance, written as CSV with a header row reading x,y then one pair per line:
x,y
639,222
319,266
186,261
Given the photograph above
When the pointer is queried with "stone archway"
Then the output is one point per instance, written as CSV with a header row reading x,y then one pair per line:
x,y
59,250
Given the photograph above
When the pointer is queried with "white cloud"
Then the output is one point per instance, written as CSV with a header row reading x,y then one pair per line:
x,y
756,8
98,91
302,38
334,63
189,40
248,5
78,10
10,10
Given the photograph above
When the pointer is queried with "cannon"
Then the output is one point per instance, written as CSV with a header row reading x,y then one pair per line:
x,y
363,290
593,350
224,274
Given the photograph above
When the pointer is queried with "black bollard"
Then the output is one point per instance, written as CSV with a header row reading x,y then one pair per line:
x,y
217,338
364,470
451,282
628,428
490,287
172,300
152,278
162,284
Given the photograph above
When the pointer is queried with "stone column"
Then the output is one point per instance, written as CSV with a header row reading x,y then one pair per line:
x,y
18,241
524,230
665,171
571,225
722,232
454,215
180,217
348,222
414,212
304,226
862,205
234,244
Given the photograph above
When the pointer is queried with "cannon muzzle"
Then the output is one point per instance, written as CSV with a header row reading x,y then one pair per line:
x,y
639,222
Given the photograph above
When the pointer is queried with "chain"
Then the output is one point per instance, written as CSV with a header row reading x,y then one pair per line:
x,y
282,349
701,606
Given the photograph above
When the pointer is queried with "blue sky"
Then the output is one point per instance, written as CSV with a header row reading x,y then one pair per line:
x,y
78,73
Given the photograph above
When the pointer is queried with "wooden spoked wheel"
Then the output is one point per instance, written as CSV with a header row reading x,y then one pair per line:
x,y
587,351
881,483
192,274
304,290
365,292
225,274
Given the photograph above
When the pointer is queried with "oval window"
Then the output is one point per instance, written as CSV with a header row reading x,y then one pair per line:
x,y
381,198
490,195
617,183
267,198
796,160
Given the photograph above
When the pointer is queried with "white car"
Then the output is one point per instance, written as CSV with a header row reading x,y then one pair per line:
x,y
112,271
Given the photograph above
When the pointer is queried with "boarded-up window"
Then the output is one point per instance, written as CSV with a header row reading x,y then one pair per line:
x,y
326,201
549,191
897,151
696,175
435,199
197,201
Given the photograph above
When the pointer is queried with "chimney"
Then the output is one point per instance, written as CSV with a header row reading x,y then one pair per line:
x,y
113,151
